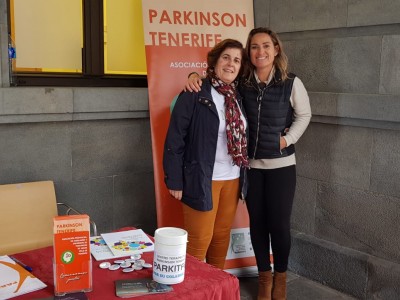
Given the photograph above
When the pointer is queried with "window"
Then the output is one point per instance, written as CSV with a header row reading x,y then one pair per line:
x,y
77,43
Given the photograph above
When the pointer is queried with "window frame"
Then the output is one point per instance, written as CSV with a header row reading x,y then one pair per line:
x,y
92,58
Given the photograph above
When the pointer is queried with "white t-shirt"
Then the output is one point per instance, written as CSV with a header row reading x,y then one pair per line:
x,y
224,169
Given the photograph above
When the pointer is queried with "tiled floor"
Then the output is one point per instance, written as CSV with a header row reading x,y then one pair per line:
x,y
298,288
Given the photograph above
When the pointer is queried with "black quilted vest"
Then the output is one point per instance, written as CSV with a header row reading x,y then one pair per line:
x,y
269,112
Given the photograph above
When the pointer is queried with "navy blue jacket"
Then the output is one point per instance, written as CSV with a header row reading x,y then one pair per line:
x,y
190,147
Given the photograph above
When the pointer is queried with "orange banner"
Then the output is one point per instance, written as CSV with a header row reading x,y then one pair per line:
x,y
178,34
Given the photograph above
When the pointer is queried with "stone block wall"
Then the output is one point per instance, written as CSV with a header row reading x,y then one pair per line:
x,y
93,143
346,218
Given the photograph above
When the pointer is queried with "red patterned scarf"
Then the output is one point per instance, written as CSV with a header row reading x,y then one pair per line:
x,y
235,131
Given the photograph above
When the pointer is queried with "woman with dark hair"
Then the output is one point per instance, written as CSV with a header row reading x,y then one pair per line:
x,y
278,112
205,151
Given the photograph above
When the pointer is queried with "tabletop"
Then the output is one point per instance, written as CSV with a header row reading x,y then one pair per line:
x,y
202,281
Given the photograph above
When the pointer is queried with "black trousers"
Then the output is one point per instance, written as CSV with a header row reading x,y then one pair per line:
x,y
269,203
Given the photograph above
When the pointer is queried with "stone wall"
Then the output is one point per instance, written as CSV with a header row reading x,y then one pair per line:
x,y
93,143
346,216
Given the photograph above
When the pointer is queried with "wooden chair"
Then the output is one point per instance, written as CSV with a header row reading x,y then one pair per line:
x,y
26,216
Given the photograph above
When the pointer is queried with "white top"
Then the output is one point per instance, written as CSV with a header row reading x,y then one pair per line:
x,y
224,169
302,116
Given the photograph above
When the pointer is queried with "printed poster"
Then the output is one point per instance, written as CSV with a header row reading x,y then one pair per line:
x,y
178,35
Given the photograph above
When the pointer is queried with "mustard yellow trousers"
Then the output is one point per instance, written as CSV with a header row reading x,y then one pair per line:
x,y
209,231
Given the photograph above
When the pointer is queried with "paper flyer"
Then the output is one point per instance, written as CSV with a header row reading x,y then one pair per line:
x,y
124,243
15,280
100,250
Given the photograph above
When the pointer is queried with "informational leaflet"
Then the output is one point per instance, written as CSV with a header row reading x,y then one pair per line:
x,y
72,260
15,280
100,250
124,243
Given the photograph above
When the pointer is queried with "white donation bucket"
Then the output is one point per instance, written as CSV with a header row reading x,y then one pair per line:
x,y
169,255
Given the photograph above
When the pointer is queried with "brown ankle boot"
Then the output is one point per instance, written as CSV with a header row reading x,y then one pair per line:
x,y
264,285
279,287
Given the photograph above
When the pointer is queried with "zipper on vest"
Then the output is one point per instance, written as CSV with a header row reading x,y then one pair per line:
x,y
259,100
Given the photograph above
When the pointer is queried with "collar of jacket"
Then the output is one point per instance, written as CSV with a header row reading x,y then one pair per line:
x,y
204,96
205,88
276,79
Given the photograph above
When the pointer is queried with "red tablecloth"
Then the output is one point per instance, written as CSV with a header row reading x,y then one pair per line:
x,y
202,281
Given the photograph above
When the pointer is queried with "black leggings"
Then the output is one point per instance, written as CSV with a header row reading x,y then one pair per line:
x,y
269,202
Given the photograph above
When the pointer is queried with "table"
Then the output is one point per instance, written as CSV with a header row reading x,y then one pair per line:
x,y
202,281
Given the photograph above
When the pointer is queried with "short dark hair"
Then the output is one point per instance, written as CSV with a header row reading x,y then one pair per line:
x,y
215,53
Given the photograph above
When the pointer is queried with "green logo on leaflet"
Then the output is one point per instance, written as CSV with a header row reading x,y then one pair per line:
x,y
67,257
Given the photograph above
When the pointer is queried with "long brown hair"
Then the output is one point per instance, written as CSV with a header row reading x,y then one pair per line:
x,y
281,61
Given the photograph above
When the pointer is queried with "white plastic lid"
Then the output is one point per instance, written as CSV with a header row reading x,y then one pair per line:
x,y
170,236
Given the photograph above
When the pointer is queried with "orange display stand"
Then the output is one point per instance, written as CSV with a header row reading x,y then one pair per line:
x,y
72,261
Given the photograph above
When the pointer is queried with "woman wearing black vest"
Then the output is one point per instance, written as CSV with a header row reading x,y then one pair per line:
x,y
278,111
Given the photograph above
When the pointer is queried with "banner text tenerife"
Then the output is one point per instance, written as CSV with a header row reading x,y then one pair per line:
x,y
187,19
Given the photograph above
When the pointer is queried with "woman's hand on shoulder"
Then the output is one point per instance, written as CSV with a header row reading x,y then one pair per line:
x,y
176,194
193,84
